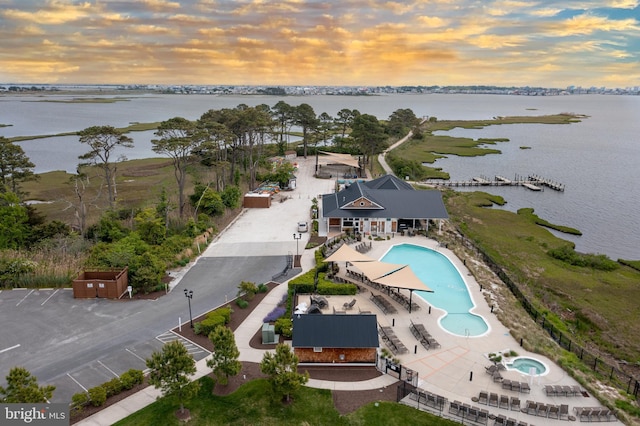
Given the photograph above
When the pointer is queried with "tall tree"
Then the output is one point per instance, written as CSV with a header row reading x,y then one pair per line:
x,y
171,370
22,387
224,359
103,141
401,121
15,166
370,136
283,114
282,369
305,117
14,222
345,118
178,138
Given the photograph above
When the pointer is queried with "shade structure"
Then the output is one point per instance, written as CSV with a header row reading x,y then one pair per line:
x,y
333,157
403,278
348,254
375,269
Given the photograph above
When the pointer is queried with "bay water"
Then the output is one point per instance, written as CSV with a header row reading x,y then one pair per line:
x,y
595,159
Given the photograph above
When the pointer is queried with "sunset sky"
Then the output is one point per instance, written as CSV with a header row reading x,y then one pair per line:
x,y
346,42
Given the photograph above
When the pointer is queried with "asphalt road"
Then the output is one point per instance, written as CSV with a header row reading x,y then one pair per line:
x,y
76,344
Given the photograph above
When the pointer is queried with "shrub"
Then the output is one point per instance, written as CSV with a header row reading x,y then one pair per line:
x,y
242,304
304,283
247,288
97,396
263,288
112,387
284,327
327,287
224,312
79,400
212,321
275,313
130,378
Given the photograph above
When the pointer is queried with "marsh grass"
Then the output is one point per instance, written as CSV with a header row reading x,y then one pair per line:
x,y
50,268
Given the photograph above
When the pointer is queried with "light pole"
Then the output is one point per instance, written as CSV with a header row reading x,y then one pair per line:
x,y
297,237
189,295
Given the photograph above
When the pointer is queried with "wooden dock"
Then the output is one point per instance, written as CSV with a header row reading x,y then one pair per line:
x,y
532,182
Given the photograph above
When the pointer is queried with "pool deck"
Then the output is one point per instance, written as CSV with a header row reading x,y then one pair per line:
x,y
456,370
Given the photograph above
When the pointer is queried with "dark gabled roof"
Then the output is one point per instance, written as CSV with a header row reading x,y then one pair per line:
x,y
397,198
335,331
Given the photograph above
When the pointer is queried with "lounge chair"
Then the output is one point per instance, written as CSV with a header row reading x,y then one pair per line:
x,y
506,384
585,414
564,411
483,397
567,390
531,408
454,407
511,422
483,416
515,404
522,423
500,420
577,390
554,412
524,387
559,390
493,399
515,386
491,369
349,305
549,390
472,413
504,402
542,410
497,377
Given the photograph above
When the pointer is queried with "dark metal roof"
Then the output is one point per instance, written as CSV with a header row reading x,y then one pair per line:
x,y
335,331
398,199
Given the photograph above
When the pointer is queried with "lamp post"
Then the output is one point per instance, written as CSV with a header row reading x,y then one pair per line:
x,y
189,295
297,237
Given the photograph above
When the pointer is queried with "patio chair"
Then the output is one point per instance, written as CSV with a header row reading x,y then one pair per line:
x,y
493,399
567,390
577,390
483,397
491,369
564,411
506,384
497,377
522,423
500,420
559,390
515,386
554,412
524,387
454,407
587,413
472,413
504,402
515,404
511,422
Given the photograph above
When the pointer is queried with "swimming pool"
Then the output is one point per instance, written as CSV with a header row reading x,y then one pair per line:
x,y
450,293
526,365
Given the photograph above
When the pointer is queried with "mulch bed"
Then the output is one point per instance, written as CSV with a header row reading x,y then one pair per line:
x,y
344,401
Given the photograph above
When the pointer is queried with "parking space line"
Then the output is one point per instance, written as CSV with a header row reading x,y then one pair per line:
x,y
22,300
77,382
8,349
110,370
45,301
136,355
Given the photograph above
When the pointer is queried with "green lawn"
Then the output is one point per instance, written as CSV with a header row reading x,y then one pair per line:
x,y
252,405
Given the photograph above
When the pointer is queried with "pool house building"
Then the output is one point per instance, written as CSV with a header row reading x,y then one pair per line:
x,y
382,206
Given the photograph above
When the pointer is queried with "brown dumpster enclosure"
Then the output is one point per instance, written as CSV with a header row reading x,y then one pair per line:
x,y
106,283
252,201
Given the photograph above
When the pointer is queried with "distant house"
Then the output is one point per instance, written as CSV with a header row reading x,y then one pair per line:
x,y
382,206
335,339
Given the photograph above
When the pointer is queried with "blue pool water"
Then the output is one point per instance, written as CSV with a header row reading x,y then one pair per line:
x,y
450,293
525,365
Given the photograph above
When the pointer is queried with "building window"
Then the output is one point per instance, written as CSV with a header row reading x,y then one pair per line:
x,y
317,349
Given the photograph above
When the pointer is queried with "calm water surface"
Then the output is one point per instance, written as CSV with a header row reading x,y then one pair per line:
x,y
596,159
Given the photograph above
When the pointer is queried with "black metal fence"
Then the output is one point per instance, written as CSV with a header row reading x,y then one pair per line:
x,y
616,377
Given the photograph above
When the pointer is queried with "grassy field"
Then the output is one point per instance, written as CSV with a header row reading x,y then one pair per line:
x,y
251,404
597,307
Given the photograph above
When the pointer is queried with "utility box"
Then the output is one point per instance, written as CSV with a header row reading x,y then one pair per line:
x,y
269,336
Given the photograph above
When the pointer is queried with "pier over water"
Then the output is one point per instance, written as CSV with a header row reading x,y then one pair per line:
x,y
531,182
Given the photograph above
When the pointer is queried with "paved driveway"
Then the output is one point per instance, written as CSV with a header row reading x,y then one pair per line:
x,y
76,344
